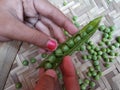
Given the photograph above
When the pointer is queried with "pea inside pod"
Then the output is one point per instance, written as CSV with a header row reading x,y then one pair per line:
x,y
72,44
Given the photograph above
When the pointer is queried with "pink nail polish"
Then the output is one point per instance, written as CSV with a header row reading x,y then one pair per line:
x,y
52,45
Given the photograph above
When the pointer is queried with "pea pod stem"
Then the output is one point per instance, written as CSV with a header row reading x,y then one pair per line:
x,y
86,32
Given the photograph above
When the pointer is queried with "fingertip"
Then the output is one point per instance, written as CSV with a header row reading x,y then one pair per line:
x,y
67,67
51,45
70,27
51,73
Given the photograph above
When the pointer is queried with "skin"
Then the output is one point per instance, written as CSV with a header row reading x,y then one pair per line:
x,y
32,21
48,79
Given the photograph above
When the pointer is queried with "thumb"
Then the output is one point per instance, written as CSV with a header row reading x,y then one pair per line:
x,y
16,30
47,81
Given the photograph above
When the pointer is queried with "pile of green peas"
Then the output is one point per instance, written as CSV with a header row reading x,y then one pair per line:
x,y
104,50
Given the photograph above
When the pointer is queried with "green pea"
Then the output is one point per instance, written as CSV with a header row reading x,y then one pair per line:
x,y
77,39
104,55
87,81
101,43
48,65
94,57
104,39
102,27
64,3
94,73
97,77
74,18
110,33
96,63
91,69
118,39
98,57
97,67
95,53
107,30
112,47
65,32
77,24
93,47
25,63
52,58
112,53
109,37
33,60
44,55
89,28
111,59
97,49
108,50
103,50
100,53
89,57
91,51
92,84
18,85
83,34
89,74
82,48
112,28
116,45
84,57
83,87
90,43
100,73
65,48
107,65
105,35
58,52
70,43
108,43
116,54
80,81
106,59
88,47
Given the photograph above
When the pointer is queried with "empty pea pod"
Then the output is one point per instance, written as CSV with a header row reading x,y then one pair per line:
x,y
72,44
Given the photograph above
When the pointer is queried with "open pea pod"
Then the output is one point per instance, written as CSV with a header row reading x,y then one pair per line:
x,y
53,60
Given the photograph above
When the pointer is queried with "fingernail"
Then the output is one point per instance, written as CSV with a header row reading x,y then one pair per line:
x,y
52,45
51,73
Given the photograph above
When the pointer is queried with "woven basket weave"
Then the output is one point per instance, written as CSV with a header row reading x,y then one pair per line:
x,y
86,10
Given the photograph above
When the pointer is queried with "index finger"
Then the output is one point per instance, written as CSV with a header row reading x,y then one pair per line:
x,y
48,10
69,75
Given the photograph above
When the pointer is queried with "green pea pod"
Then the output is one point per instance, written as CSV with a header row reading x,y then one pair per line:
x,y
78,40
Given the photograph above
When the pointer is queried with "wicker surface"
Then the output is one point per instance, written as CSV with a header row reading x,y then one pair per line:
x,y
86,10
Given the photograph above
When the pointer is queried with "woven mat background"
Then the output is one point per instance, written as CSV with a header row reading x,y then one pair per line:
x,y
86,10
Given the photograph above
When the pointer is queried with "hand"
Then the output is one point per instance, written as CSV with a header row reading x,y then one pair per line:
x,y
33,21
48,79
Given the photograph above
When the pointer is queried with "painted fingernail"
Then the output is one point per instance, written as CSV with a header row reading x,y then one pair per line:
x,y
52,45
